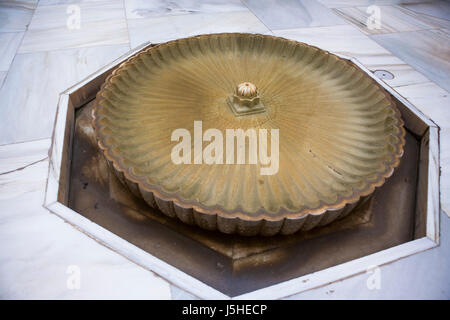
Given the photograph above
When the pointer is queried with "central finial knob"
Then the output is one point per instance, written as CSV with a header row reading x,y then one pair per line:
x,y
245,100
247,90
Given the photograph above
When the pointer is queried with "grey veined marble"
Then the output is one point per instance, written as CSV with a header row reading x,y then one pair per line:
x,y
9,42
288,14
137,9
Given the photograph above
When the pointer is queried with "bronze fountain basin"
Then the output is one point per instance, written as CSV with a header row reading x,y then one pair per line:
x,y
340,133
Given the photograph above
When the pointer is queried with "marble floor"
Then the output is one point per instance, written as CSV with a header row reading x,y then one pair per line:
x,y
48,45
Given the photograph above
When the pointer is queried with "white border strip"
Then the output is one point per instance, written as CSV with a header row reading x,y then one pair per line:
x,y
56,150
433,201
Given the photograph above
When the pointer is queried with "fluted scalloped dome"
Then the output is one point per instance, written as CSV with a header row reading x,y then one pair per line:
x,y
340,134
246,89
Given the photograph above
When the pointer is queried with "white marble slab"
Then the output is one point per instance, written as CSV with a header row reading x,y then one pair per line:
x,y
18,156
172,27
427,51
56,16
349,41
136,9
9,43
16,15
353,3
346,39
15,183
392,19
37,248
435,9
30,92
290,14
431,99
100,23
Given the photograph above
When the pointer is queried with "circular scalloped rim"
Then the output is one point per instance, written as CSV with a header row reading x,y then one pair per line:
x,y
260,215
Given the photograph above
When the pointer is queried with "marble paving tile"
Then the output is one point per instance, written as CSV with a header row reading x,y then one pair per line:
x,y
354,3
14,183
431,99
53,28
16,15
424,89
17,156
427,51
349,41
136,9
40,253
435,9
9,43
392,19
30,92
292,13
173,27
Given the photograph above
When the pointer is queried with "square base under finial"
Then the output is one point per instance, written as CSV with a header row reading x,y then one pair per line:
x,y
242,106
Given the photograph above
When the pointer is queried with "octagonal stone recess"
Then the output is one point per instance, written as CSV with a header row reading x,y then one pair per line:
x,y
199,278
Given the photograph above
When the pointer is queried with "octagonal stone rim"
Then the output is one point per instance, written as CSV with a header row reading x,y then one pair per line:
x,y
56,198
